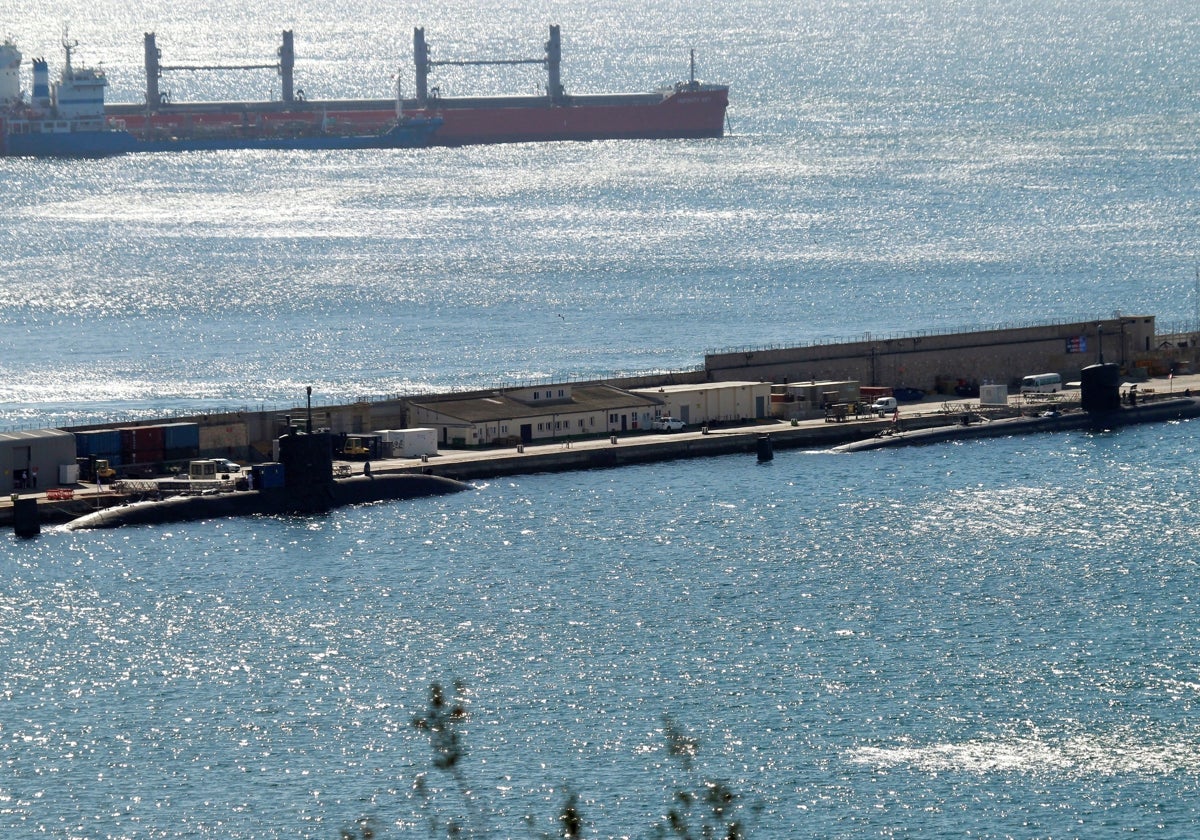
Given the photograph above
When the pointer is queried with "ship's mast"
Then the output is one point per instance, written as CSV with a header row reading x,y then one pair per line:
x,y
68,45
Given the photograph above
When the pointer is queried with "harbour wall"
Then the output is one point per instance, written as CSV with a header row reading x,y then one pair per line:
x,y
933,362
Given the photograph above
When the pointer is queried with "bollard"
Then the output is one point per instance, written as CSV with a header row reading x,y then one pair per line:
x,y
25,516
766,449
614,440
520,448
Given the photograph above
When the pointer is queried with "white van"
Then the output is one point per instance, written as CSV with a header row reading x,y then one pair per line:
x,y
1041,383
883,405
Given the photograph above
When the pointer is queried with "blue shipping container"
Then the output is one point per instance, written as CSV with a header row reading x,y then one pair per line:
x,y
103,443
181,435
267,476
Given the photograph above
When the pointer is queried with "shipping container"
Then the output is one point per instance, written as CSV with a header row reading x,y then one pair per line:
x,y
993,395
102,443
187,453
266,476
181,436
135,439
411,443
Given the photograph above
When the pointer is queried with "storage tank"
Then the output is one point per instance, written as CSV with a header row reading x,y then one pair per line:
x,y
10,73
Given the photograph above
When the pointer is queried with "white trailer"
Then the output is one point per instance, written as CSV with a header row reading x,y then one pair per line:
x,y
411,443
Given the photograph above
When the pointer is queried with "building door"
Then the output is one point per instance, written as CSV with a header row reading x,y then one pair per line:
x,y
624,422
760,408
20,466
526,433
684,414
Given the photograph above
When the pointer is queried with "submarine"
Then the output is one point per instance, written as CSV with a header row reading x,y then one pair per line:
x,y
308,487
1101,409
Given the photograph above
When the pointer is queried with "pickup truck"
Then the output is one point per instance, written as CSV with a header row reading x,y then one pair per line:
x,y
667,424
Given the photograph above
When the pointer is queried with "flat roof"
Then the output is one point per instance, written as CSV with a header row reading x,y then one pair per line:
x,y
698,386
501,406
33,434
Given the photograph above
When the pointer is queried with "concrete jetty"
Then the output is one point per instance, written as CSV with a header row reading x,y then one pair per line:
x,y
942,419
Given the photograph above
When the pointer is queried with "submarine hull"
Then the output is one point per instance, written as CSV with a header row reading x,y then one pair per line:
x,y
1158,412
273,502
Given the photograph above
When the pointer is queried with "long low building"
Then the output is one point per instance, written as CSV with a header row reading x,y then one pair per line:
x,y
528,415
713,402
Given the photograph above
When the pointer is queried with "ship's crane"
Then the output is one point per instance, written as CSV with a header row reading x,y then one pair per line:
x,y
552,61
155,68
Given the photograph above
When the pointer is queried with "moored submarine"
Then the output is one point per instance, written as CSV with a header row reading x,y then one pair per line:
x,y
1101,408
308,486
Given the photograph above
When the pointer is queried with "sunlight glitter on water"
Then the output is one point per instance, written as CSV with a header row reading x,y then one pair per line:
x,y
1071,756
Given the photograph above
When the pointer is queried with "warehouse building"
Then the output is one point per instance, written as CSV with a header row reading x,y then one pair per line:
x,y
35,459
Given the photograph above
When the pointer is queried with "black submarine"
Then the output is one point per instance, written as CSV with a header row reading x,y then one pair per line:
x,y
1100,409
308,487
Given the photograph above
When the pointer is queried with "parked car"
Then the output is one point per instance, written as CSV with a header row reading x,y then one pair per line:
x,y
224,465
667,424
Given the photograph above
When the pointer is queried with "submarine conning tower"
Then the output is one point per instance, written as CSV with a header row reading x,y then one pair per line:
x,y
307,470
1100,387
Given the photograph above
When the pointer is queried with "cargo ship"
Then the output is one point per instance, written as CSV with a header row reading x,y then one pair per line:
x,y
69,119
685,109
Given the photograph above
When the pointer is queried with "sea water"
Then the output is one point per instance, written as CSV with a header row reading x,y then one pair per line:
x,y
992,639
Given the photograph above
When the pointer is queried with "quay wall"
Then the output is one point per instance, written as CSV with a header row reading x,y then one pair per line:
x,y
935,362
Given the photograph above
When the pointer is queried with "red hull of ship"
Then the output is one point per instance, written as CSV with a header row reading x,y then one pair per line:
x,y
685,113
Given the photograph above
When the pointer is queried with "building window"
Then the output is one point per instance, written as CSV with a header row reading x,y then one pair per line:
x,y
539,427
612,418
581,422
561,392
536,394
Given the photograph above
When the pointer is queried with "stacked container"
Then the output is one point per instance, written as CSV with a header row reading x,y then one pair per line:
x,y
102,444
181,441
142,446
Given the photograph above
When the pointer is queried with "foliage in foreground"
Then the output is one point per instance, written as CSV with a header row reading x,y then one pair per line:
x,y
703,809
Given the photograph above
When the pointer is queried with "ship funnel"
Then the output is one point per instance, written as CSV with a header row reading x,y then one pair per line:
x,y
10,73
41,83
